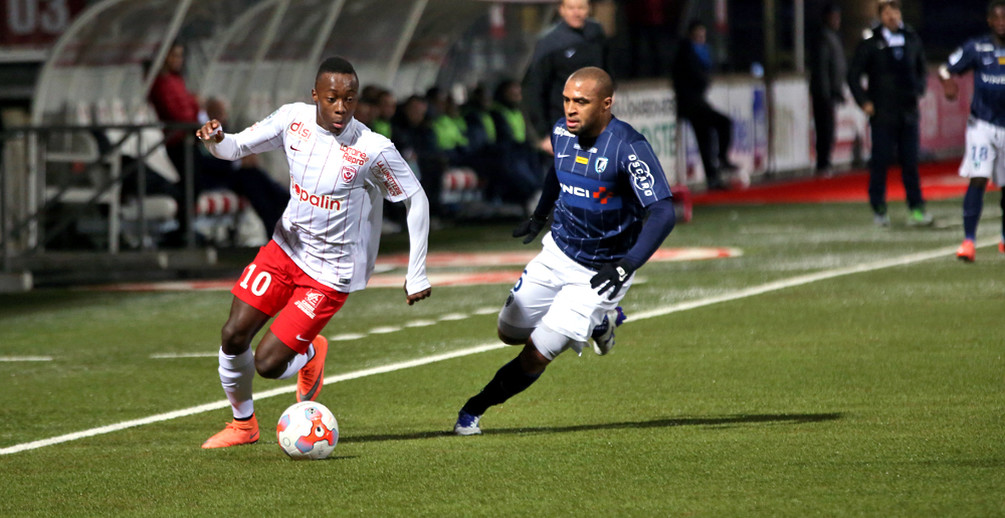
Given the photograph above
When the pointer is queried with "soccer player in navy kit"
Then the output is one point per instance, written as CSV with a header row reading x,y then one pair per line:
x,y
612,210
984,157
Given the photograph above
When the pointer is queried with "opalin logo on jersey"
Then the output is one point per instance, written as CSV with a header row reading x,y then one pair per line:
x,y
320,201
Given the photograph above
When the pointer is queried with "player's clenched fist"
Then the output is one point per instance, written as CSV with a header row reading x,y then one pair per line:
x,y
211,130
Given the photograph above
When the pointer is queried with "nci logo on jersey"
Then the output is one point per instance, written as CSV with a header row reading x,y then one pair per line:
x,y
587,192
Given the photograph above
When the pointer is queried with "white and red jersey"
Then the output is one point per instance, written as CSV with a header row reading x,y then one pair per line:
x,y
331,227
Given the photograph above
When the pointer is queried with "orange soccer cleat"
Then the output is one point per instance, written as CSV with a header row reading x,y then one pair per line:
x,y
1001,247
235,433
312,375
967,251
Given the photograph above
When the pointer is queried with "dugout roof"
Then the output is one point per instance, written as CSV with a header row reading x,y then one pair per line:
x,y
259,54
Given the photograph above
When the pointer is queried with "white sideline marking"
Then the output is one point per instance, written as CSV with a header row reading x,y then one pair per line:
x,y
684,306
258,395
171,356
25,358
798,280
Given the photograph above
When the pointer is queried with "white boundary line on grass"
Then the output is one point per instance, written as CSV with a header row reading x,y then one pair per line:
x,y
684,306
9,359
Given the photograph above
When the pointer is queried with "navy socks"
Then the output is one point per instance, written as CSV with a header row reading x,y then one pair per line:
x,y
509,381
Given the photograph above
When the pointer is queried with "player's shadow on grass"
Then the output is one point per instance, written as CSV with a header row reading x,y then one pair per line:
x,y
711,422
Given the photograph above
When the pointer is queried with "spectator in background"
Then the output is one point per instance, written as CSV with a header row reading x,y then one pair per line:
x,y
650,32
481,129
893,60
416,142
827,80
387,105
366,107
484,154
574,42
449,128
692,74
175,104
244,176
521,173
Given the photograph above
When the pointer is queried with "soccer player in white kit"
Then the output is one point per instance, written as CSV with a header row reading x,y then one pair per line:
x,y
323,248
612,209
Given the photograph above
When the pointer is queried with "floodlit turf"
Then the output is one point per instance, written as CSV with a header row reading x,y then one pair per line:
x,y
877,393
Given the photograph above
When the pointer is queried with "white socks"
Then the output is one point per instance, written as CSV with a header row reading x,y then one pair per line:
x,y
297,363
236,375
238,371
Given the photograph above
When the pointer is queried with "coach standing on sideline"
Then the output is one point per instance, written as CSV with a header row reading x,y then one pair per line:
x,y
894,62
573,43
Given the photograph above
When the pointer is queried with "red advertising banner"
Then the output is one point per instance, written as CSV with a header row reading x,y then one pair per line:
x,y
35,24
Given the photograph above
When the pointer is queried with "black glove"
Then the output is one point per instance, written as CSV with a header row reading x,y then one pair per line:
x,y
530,228
611,276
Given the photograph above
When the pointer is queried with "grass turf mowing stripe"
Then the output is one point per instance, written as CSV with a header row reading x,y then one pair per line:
x,y
799,280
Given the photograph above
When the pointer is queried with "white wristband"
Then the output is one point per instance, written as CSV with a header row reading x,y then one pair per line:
x,y
944,72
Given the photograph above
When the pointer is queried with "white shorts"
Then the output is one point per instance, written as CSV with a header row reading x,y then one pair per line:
x,y
985,152
555,291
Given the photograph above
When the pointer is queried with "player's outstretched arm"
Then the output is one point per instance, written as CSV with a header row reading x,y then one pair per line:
x,y
530,228
417,285
950,89
659,223
212,136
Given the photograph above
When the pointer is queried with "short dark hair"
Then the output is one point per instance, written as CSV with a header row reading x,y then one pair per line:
x,y
994,4
694,24
336,65
831,8
883,4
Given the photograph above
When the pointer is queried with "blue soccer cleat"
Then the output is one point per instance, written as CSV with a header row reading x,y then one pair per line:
x,y
603,334
467,424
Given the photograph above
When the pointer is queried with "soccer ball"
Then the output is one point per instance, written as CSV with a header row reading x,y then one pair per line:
x,y
307,431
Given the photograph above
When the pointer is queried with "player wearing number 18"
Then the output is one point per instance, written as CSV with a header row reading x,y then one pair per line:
x,y
984,157
612,210
323,248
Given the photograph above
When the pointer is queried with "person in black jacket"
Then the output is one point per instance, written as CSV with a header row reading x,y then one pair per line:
x,y
692,73
827,81
573,43
893,60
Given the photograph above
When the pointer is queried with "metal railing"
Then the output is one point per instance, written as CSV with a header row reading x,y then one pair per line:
x,y
31,201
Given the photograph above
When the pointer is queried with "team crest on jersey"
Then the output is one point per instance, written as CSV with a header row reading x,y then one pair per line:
x,y
349,172
601,164
309,304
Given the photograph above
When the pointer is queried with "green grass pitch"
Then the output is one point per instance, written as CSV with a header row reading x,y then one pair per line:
x,y
872,393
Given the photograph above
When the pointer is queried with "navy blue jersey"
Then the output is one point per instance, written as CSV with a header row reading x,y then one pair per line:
x,y
604,192
988,63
